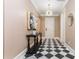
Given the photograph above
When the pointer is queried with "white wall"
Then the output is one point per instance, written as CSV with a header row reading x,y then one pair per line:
x,y
50,26
62,23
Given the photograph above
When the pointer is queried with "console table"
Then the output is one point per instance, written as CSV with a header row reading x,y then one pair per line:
x,y
34,48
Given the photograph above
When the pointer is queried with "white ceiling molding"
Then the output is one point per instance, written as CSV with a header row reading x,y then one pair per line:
x,y
36,7
50,15
64,5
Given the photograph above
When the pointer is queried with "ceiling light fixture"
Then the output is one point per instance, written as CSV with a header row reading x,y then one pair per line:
x,y
49,11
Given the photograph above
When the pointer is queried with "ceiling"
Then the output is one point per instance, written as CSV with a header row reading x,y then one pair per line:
x,y
42,6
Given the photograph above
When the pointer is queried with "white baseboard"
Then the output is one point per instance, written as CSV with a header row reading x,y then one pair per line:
x,y
20,54
70,48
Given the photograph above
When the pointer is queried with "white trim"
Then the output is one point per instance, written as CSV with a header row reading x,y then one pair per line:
x,y
65,4
62,29
20,54
69,47
37,9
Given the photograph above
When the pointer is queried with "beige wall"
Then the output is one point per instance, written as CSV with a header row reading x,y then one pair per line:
x,y
14,33
42,25
57,26
70,31
38,24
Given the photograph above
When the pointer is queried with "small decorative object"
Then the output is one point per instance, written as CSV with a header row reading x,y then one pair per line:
x,y
34,32
70,19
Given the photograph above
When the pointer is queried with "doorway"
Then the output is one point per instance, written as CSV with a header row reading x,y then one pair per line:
x,y
49,27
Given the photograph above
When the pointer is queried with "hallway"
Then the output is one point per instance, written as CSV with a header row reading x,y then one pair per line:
x,y
52,49
39,29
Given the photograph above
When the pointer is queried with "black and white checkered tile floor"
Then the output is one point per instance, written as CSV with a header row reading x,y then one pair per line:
x,y
52,49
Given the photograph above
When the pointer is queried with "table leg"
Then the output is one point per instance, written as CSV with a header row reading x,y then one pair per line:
x,y
28,43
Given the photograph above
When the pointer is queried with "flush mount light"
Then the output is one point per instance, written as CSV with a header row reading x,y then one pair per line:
x,y
49,12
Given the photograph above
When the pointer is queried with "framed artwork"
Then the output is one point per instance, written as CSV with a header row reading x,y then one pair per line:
x,y
31,21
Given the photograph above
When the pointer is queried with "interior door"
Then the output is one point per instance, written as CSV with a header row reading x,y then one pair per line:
x,y
49,27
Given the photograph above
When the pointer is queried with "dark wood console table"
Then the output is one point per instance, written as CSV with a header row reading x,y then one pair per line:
x,y
34,48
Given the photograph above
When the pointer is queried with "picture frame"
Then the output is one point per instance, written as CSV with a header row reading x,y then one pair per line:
x,y
31,21
28,20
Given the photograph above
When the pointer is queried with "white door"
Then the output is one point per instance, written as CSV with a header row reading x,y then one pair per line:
x,y
49,27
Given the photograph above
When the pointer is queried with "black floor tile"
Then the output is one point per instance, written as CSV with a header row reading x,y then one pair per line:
x,y
49,55
57,50
63,47
70,56
38,55
49,50
66,51
59,56
40,50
